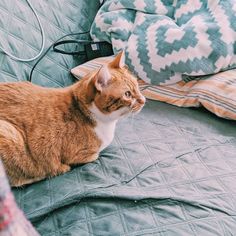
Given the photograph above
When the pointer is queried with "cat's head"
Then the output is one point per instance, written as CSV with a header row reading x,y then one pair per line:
x,y
114,91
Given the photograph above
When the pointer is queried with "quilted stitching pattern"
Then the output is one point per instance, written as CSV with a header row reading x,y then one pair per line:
x,y
169,171
19,33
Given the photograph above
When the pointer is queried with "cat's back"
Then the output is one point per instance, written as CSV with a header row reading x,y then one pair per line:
x,y
17,92
19,98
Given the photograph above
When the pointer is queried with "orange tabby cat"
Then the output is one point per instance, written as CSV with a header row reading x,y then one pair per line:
x,y
43,131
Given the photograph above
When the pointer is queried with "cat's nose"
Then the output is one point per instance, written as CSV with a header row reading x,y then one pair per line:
x,y
141,100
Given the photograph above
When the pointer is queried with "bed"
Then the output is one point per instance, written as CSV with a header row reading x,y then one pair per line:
x,y
169,171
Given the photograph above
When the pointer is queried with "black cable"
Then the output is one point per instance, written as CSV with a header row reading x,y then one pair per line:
x,y
57,43
63,42
102,3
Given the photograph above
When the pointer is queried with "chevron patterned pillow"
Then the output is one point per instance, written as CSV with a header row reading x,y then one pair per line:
x,y
168,41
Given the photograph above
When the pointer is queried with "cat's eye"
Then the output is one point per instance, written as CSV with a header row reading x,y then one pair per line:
x,y
128,94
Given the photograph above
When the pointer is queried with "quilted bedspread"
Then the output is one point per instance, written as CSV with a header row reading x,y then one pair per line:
x,y
169,171
167,41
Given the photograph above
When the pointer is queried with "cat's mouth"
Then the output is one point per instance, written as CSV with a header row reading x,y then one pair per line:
x,y
136,109
136,106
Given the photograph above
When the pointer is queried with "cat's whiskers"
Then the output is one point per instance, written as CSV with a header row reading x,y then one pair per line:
x,y
132,105
130,115
135,108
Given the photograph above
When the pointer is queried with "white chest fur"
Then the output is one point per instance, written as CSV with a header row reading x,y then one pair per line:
x,y
106,124
105,132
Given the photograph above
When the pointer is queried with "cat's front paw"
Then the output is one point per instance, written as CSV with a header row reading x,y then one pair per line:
x,y
63,169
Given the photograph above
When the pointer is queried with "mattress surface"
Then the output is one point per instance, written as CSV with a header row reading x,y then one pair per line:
x,y
169,171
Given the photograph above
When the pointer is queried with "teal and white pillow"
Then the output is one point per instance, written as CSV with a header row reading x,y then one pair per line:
x,y
167,41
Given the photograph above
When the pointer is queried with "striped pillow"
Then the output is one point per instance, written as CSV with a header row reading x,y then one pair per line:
x,y
217,93
82,70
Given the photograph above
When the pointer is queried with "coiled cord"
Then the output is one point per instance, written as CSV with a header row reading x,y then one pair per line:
x,y
42,45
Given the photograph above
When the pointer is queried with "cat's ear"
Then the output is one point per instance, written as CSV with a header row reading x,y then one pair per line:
x,y
119,60
102,77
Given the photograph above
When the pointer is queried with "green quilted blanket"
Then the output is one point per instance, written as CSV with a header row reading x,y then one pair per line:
x,y
168,172
167,41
